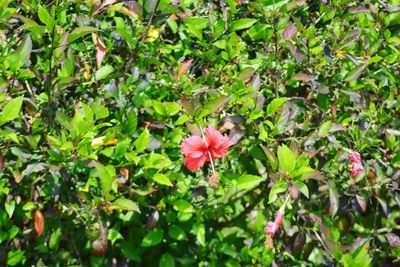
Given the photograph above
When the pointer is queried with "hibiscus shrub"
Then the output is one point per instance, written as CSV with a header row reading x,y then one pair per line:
x,y
199,133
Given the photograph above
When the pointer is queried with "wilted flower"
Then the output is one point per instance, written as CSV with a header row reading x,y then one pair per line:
x,y
272,228
356,165
197,151
213,180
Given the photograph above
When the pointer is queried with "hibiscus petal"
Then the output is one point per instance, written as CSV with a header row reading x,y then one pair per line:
x,y
193,146
194,164
218,144
213,137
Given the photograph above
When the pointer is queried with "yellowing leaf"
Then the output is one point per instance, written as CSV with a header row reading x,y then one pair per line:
x,y
152,35
99,141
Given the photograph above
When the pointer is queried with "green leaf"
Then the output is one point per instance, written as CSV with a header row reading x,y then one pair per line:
x,y
142,141
103,72
247,181
173,25
275,104
152,238
45,18
287,159
196,25
162,179
200,232
167,260
358,258
54,239
17,59
157,161
107,177
276,189
242,24
80,32
10,207
262,32
11,110
177,233
302,188
182,205
325,128
130,251
271,158
126,204
14,257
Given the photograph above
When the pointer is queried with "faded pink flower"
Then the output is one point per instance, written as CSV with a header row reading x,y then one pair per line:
x,y
272,228
356,165
198,151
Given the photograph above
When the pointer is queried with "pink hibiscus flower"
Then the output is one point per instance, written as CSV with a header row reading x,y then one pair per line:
x,y
198,151
356,165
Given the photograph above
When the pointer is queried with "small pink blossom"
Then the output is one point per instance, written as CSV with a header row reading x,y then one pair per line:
x,y
356,165
198,151
272,228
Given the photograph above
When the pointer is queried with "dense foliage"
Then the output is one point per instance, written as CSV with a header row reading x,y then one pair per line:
x,y
98,97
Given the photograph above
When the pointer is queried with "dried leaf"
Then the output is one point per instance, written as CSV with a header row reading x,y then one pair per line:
x,y
99,247
185,66
393,240
104,4
333,199
289,32
18,176
153,219
302,77
255,82
125,173
154,143
39,222
135,8
361,201
236,134
299,242
34,168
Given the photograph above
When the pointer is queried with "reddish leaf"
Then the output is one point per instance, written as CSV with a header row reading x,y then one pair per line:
x,y
359,9
289,32
39,222
361,201
101,51
185,66
296,53
2,163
